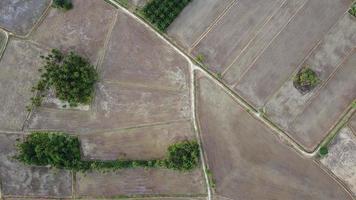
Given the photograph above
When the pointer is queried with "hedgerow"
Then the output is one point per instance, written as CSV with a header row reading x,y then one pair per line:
x,y
62,151
162,13
71,77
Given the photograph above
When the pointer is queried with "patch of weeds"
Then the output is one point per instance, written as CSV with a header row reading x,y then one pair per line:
x,y
62,151
352,10
211,180
200,58
353,105
162,13
124,3
306,80
62,4
71,77
323,151
219,75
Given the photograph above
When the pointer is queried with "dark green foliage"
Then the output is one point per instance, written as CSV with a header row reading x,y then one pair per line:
x,y
162,13
323,151
183,156
55,149
352,10
63,151
63,4
69,75
306,80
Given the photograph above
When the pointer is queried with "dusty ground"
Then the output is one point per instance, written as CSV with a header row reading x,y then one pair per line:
x,y
18,68
196,17
19,16
156,182
248,161
328,60
341,158
222,44
20,180
77,29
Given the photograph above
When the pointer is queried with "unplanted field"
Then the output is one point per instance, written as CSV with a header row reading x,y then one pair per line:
x,y
19,16
140,182
332,60
18,72
226,40
3,40
141,143
248,161
195,19
287,51
19,180
77,29
341,158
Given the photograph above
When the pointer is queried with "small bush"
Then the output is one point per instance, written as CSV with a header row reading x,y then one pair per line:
x,y
323,151
162,13
62,151
63,4
306,80
352,10
69,75
183,156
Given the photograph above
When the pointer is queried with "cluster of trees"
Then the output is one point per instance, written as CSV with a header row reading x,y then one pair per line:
x,y
305,80
71,77
63,4
62,151
162,13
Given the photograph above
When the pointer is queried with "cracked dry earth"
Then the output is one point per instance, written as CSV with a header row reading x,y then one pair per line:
x,y
150,95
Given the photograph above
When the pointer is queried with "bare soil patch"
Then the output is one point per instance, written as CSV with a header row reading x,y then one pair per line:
x,y
82,29
248,161
18,72
20,180
19,16
137,182
341,158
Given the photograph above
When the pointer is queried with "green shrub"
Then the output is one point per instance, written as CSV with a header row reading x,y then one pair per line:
x,y
162,13
323,151
306,80
183,156
62,151
63,4
69,75
352,10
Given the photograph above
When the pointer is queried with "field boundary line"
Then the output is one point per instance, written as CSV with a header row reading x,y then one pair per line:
x,y
212,25
143,86
259,30
351,128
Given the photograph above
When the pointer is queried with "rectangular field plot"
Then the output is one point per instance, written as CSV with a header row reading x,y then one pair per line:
x,y
18,72
195,19
77,29
261,40
226,40
20,180
341,158
286,52
248,161
141,143
325,109
139,182
20,16
336,46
